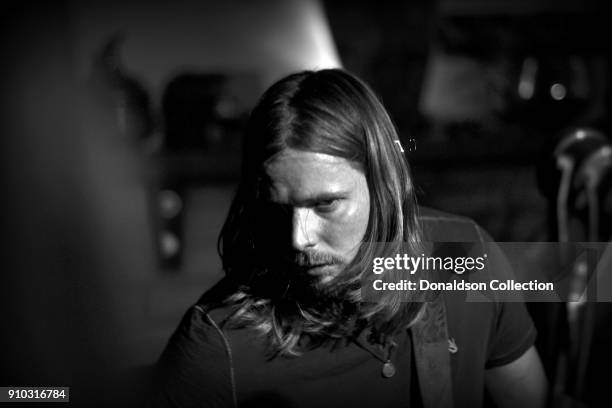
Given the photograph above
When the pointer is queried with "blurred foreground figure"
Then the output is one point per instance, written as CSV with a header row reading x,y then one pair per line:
x,y
72,186
322,182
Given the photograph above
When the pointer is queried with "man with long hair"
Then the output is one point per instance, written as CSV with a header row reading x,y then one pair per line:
x,y
325,190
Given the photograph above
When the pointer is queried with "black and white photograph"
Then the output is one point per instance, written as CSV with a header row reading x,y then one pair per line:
x,y
306,203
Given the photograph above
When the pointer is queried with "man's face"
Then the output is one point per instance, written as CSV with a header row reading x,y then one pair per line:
x,y
319,210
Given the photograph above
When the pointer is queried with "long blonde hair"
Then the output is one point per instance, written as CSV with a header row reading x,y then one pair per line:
x,y
332,112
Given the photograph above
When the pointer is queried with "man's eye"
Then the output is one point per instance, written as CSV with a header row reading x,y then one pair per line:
x,y
327,205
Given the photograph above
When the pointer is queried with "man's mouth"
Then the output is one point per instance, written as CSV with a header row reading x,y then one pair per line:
x,y
316,267
320,270
308,266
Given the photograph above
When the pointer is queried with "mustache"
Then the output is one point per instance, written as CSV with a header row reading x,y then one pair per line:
x,y
313,258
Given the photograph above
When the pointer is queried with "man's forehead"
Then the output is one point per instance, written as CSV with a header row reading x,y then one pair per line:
x,y
299,175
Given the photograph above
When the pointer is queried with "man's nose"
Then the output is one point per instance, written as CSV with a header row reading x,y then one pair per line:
x,y
303,232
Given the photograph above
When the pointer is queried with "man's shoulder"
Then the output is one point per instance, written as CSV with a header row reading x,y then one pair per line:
x,y
204,319
212,302
180,377
440,226
198,324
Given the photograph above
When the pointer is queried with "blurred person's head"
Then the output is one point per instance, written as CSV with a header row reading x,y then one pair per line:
x,y
322,182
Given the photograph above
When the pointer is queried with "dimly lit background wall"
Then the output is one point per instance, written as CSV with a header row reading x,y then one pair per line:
x,y
124,119
235,48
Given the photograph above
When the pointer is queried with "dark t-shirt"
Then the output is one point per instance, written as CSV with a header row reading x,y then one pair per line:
x,y
206,364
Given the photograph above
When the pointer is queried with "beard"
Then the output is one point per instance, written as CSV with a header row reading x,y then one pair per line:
x,y
316,275
311,279
311,292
